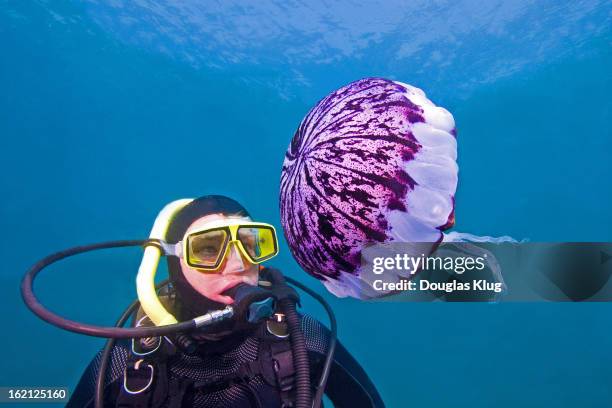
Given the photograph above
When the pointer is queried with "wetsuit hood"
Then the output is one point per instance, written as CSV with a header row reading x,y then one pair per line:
x,y
189,302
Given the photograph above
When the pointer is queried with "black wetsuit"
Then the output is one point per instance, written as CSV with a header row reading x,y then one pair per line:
x,y
348,384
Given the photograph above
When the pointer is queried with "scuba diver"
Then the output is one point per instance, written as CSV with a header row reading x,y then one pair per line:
x,y
240,341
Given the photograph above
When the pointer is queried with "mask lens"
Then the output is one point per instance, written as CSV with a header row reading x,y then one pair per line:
x,y
204,249
259,242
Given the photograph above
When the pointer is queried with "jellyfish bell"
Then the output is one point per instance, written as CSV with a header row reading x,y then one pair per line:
x,y
373,162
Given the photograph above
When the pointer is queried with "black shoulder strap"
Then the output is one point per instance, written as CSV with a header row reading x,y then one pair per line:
x,y
146,381
275,364
143,379
282,360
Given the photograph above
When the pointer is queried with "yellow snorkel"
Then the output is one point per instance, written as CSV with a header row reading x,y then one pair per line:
x,y
145,280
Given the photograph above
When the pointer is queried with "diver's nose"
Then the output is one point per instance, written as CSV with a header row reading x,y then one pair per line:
x,y
235,263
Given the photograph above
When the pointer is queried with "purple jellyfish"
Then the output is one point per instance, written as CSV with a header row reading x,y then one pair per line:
x,y
373,162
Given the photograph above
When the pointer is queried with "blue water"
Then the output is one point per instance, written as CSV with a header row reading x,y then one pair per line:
x,y
110,110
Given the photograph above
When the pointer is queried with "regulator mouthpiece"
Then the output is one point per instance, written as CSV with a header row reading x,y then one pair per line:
x,y
252,304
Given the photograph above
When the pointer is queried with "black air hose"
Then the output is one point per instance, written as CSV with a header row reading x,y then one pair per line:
x,y
303,397
300,356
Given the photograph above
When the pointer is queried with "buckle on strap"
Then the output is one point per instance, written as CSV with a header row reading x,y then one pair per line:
x,y
135,369
148,343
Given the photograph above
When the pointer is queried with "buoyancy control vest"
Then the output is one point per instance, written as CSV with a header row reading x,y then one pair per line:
x,y
151,379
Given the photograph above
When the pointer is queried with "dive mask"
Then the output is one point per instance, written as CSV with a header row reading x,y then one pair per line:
x,y
206,248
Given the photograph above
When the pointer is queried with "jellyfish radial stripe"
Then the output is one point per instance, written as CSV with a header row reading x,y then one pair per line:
x,y
372,162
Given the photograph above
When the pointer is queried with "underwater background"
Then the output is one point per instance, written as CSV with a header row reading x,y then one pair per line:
x,y
111,109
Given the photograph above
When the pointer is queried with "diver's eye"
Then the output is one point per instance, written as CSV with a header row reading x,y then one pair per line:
x,y
206,247
206,250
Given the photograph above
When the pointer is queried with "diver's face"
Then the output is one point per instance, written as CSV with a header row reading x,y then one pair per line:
x,y
234,269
